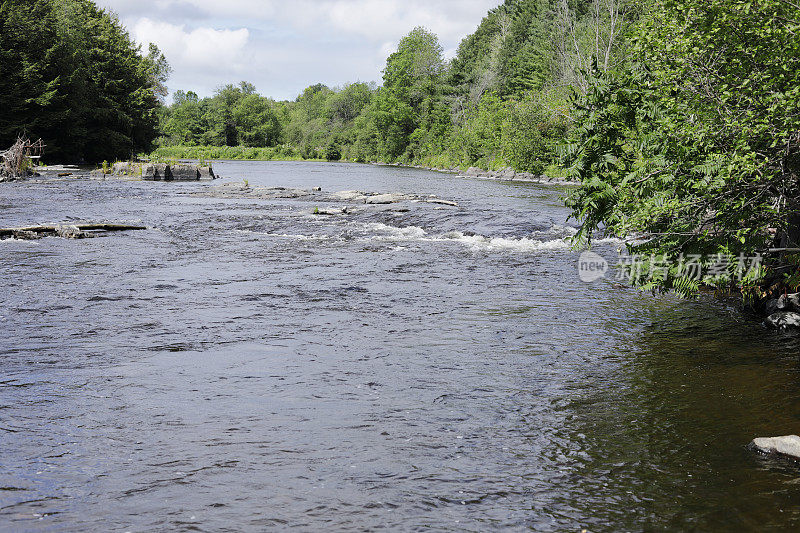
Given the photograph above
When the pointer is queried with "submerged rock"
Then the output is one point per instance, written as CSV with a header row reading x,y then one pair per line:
x,y
27,235
244,191
783,320
330,211
787,446
366,201
440,201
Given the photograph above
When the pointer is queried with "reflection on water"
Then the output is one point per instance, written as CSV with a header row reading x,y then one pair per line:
x,y
246,365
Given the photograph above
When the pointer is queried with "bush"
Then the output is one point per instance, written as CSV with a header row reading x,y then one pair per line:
x,y
333,152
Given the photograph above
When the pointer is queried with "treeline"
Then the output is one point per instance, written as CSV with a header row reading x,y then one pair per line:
x,y
70,74
502,101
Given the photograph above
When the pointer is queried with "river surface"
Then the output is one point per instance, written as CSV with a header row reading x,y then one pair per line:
x,y
244,365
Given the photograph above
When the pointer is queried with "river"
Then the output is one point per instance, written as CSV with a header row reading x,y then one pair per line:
x,y
245,365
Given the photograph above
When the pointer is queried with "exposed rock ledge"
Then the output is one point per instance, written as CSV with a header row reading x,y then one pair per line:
x,y
80,230
159,171
509,174
786,446
241,190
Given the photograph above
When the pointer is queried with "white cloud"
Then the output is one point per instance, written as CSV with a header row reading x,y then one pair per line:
x,y
282,46
204,48
378,19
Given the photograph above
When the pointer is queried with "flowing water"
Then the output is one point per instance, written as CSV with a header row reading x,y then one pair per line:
x,y
245,365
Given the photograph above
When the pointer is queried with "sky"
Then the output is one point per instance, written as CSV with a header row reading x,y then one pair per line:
x,y
284,46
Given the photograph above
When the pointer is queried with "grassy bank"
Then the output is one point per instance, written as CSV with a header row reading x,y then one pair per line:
x,y
238,153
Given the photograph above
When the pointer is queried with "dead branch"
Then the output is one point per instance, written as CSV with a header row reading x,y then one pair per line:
x,y
18,159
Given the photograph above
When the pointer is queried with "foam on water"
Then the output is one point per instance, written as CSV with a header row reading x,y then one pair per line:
x,y
24,241
404,233
520,244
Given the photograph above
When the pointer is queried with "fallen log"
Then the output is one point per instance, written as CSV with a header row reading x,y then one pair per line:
x,y
73,231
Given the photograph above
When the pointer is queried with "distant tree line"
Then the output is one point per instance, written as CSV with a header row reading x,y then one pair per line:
x,y
70,74
502,101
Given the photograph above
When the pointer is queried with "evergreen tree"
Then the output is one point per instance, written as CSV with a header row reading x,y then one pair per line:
x,y
71,75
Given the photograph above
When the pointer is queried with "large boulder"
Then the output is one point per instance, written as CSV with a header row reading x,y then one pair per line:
x,y
206,173
154,172
474,172
183,172
506,173
783,320
787,446
788,302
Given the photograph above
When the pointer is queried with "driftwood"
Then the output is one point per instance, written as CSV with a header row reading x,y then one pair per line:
x,y
17,160
69,231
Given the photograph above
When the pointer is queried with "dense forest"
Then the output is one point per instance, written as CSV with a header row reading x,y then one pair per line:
x,y
679,119
70,74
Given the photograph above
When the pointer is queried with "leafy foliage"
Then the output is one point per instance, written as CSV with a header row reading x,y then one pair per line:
x,y
696,152
72,76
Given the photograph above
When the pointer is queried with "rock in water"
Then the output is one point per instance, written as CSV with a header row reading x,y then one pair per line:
x,y
783,320
771,306
154,172
176,172
385,198
69,231
349,196
440,201
206,173
788,445
181,172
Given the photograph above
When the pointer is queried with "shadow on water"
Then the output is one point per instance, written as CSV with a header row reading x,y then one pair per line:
x,y
665,433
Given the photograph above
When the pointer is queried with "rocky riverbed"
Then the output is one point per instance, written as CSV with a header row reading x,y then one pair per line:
x,y
354,201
